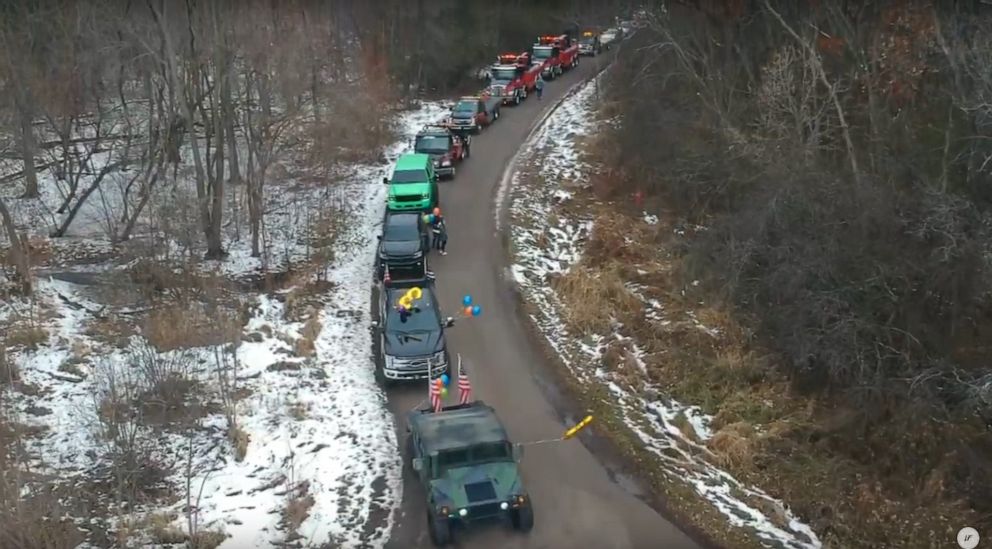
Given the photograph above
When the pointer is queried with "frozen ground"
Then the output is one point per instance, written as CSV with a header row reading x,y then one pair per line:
x,y
315,426
545,241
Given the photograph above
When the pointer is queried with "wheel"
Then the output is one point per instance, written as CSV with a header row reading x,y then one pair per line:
x,y
452,176
516,98
495,115
440,529
523,518
478,128
466,152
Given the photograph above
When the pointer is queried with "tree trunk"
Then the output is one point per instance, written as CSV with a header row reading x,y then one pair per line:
x,y
233,158
18,252
215,249
28,149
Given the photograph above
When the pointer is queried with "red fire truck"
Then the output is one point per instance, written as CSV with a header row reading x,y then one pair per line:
x,y
556,53
513,77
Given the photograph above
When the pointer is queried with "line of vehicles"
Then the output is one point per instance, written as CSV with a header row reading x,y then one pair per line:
x,y
460,454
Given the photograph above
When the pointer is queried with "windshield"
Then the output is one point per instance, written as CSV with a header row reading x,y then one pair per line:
x,y
504,74
588,40
542,52
400,230
474,455
432,144
416,325
466,107
409,176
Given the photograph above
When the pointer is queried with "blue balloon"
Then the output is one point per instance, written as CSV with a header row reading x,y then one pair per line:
x,y
467,300
430,218
445,379
476,310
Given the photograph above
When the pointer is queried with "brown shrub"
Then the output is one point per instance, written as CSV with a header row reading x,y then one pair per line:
x,y
593,297
26,335
297,507
185,326
734,445
239,441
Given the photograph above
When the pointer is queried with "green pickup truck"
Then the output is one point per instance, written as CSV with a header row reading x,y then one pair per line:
x,y
413,186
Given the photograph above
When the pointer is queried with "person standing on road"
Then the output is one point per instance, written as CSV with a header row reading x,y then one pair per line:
x,y
440,230
539,87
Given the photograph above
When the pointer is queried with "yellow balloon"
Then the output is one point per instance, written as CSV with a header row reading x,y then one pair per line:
x,y
416,292
406,302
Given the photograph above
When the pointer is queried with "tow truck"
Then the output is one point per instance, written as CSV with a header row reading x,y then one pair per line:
x,y
589,44
445,146
474,111
513,77
557,53
468,467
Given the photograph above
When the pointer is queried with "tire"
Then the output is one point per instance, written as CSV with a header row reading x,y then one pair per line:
x,y
522,519
495,115
467,152
453,170
516,98
440,530
478,128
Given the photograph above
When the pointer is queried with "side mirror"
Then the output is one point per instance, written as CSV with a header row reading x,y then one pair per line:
x,y
374,324
518,452
418,464
378,237
449,322
385,181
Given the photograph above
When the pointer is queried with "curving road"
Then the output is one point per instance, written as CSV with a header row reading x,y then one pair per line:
x,y
577,504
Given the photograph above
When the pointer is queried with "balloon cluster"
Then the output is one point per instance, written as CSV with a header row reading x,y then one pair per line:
x,y
406,301
442,384
470,310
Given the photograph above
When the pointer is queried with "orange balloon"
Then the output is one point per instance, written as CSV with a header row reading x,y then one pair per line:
x,y
467,311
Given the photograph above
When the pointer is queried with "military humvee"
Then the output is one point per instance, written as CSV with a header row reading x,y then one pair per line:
x,y
468,468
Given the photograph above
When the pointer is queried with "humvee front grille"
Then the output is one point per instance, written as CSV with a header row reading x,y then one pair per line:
x,y
483,511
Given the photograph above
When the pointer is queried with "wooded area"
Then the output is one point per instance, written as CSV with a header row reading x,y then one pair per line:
x,y
838,156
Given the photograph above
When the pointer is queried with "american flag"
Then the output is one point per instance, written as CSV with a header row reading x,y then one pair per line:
x,y
434,391
464,385
385,278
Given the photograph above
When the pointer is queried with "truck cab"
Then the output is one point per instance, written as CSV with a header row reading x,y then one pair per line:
x,y
472,113
411,342
403,245
445,147
413,185
468,467
556,53
589,44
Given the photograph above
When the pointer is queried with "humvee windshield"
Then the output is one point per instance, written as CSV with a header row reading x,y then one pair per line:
x,y
473,455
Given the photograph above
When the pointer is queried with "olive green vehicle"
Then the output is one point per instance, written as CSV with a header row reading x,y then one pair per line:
x,y
468,467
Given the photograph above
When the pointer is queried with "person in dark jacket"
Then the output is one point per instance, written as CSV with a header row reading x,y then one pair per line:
x,y
440,230
539,87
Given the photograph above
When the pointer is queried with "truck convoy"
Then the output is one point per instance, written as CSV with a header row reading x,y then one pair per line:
x,y
468,467
556,53
513,77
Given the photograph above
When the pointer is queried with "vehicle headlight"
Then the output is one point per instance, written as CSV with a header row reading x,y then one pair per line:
x,y
390,362
445,162
438,358
504,506
462,512
436,163
418,254
425,196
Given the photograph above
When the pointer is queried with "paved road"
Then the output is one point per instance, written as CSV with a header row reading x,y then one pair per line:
x,y
576,503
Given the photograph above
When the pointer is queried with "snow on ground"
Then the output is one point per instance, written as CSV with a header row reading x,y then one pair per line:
x,y
319,421
545,242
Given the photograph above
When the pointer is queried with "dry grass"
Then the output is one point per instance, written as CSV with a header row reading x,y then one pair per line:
x,y
297,507
207,539
162,528
111,330
239,441
25,335
10,374
734,445
594,297
184,326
